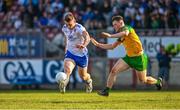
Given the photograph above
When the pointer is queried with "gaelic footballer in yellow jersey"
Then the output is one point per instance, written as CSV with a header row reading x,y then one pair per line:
x,y
131,42
135,57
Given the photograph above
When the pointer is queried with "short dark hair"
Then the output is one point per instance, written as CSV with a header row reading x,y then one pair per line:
x,y
117,18
68,17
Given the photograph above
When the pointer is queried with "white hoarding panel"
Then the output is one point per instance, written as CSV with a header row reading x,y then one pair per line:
x,y
150,44
13,69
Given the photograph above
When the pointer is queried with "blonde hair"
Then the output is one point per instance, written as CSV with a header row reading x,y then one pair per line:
x,y
68,17
117,18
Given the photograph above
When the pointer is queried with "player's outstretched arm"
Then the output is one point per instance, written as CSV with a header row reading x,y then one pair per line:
x,y
105,34
117,35
105,46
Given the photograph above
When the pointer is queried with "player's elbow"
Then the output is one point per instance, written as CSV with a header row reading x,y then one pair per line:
x,y
88,40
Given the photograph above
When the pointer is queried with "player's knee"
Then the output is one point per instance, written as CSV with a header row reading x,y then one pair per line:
x,y
113,72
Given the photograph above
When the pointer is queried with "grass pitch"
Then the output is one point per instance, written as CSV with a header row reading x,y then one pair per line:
x,y
43,99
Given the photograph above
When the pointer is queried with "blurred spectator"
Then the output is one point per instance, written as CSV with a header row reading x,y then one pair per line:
x,y
28,2
58,4
29,16
164,60
52,21
43,20
88,15
3,7
106,10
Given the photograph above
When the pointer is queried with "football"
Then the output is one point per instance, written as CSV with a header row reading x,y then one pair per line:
x,y
60,76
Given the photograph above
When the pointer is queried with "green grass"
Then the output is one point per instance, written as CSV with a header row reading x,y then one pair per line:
x,y
41,99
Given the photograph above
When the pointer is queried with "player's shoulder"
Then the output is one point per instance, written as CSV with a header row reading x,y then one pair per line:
x,y
79,25
126,27
64,26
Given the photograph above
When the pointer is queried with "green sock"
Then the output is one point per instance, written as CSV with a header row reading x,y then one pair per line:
x,y
158,81
107,89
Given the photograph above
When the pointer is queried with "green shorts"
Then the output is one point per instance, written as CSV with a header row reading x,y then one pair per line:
x,y
138,62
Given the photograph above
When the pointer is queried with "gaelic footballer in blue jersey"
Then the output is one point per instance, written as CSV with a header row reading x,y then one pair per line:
x,y
76,53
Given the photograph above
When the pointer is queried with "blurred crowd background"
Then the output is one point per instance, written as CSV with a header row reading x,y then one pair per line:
x,y
93,14
159,17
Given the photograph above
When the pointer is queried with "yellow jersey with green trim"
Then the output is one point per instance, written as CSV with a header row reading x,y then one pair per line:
x,y
132,43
